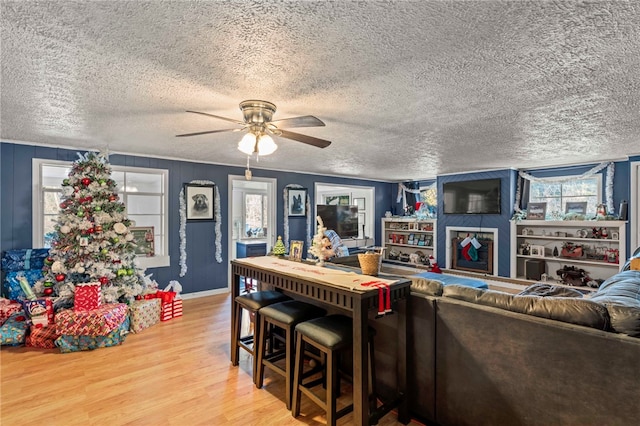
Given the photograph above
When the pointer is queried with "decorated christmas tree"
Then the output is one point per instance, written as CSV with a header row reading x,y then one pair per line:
x,y
321,245
92,242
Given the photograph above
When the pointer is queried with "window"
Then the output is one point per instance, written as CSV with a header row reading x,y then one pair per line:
x,y
556,192
429,199
142,190
256,215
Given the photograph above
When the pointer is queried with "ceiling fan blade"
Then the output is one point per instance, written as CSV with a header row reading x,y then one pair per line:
x,y
302,121
309,140
209,132
218,117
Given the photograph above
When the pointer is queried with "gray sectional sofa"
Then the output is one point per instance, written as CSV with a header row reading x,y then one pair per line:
x,y
481,357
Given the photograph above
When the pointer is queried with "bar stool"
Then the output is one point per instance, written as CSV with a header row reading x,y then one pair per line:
x,y
285,316
252,302
331,335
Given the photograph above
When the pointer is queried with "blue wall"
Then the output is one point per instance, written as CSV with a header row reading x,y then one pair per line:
x,y
203,273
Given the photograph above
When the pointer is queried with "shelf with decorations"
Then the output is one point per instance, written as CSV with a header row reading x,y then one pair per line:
x,y
549,247
409,240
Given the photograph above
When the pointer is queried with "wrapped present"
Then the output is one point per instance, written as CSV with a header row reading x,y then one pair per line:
x,y
166,312
144,313
22,260
42,337
11,285
7,308
39,311
97,322
14,330
75,343
87,297
177,308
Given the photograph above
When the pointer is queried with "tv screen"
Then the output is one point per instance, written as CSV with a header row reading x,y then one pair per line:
x,y
472,197
342,219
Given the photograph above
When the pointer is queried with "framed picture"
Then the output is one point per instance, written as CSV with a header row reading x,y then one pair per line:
x,y
295,250
143,238
615,235
297,202
199,201
359,202
536,211
337,200
537,251
577,207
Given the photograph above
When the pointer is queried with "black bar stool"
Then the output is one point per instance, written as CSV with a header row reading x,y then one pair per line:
x,y
331,335
285,316
252,302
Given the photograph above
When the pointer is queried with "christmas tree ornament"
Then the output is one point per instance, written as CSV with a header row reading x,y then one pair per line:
x,y
47,284
48,260
97,208
119,228
48,291
103,280
65,181
113,197
60,277
80,269
80,213
102,182
115,240
129,237
65,229
91,230
83,241
130,271
57,266
98,228
104,251
85,181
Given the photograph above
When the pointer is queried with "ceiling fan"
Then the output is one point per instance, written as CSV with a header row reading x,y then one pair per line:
x,y
259,125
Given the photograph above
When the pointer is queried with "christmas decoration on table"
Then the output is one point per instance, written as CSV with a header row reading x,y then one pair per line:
x,y
321,245
183,225
279,249
92,242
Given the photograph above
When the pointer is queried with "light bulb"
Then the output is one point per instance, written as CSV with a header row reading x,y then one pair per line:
x,y
266,145
247,143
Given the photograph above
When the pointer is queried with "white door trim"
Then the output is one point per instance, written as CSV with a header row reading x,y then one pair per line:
x,y
634,206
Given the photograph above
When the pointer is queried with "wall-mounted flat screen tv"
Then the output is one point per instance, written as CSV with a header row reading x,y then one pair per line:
x,y
342,219
472,197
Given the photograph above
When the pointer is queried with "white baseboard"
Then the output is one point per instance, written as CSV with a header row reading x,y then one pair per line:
x,y
204,293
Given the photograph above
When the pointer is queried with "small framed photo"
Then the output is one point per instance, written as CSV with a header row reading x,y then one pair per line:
x,y
615,235
295,250
536,211
144,240
579,207
199,201
297,202
536,251
359,202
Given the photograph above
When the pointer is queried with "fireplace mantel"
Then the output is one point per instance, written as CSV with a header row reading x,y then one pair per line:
x,y
490,233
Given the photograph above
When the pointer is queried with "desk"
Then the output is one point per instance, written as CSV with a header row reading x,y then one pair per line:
x,y
342,290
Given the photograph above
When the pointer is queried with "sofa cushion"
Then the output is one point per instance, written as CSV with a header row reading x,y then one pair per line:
x,y
620,294
431,283
566,309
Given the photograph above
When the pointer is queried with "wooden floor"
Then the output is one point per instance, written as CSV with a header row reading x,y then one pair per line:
x,y
174,373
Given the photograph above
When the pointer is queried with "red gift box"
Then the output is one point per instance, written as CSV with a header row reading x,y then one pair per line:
x,y
97,322
177,308
7,308
87,297
42,337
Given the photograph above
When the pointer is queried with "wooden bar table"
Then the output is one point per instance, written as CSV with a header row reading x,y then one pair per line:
x,y
350,292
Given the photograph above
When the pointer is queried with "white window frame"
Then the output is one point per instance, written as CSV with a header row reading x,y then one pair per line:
x,y
555,179
157,261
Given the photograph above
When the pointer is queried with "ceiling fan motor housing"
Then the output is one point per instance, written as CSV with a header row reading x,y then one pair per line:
x,y
257,112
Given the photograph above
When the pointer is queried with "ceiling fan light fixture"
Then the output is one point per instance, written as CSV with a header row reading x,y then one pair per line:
x,y
265,145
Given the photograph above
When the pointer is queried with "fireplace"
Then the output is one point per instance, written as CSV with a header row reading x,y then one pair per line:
x,y
484,263
487,262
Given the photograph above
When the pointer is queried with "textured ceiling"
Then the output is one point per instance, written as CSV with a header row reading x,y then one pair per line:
x,y
407,89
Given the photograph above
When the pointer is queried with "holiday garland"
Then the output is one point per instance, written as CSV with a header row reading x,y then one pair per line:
x,y
286,215
183,226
